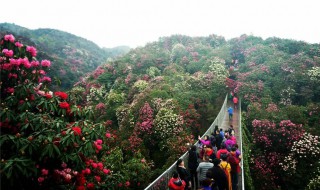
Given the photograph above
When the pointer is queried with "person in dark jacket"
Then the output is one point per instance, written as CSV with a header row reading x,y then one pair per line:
x,y
183,173
217,173
193,165
218,139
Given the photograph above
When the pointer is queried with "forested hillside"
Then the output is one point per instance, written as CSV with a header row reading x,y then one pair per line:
x,y
124,123
71,56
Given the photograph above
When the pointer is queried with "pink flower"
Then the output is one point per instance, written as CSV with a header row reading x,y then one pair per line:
x,y
45,79
35,63
64,165
106,171
42,72
7,53
100,165
67,177
32,50
127,184
108,122
98,178
99,141
108,135
88,171
100,106
45,63
40,179
12,75
44,172
9,37
10,90
18,44
90,186
94,165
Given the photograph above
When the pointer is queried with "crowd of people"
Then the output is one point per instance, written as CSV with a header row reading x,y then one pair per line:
x,y
214,164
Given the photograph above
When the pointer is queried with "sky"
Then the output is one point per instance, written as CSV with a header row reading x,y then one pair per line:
x,y
110,23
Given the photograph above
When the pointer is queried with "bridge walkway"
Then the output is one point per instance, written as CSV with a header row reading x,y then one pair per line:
x,y
222,120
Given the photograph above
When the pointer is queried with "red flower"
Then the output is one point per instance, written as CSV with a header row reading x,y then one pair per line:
x,y
64,105
98,178
62,95
90,186
77,131
81,188
48,95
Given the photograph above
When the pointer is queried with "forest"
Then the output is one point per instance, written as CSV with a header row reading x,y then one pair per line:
x,y
127,115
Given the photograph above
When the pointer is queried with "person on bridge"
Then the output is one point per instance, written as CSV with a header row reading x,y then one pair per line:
x,y
235,168
227,169
229,143
235,102
222,151
203,168
217,173
230,111
175,183
183,173
193,165
231,130
218,139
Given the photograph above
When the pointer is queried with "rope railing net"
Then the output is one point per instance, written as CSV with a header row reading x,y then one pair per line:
x,y
162,181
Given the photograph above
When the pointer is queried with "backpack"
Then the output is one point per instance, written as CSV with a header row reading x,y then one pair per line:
x,y
226,171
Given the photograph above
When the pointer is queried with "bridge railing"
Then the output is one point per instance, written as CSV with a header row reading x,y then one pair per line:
x,y
162,181
241,150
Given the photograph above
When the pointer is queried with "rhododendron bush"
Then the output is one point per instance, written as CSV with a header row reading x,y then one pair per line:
x,y
49,142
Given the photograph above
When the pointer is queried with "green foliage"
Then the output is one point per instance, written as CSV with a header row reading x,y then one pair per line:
x,y
246,154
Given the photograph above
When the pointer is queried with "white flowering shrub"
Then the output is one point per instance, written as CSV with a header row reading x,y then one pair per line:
x,y
219,70
314,183
115,98
286,96
140,85
124,116
314,73
153,72
305,152
178,52
167,123
96,94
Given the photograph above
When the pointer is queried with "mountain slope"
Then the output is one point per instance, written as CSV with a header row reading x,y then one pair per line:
x,y
71,56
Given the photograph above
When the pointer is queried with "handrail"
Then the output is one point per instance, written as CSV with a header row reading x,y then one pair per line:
x,y
162,181
241,150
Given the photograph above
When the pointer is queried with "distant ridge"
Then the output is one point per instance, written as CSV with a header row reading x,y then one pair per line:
x,y
71,56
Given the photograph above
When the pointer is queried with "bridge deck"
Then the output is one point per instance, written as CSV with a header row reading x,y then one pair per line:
x,y
236,125
222,120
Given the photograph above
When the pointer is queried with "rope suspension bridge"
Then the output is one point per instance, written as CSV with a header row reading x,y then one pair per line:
x,y
222,120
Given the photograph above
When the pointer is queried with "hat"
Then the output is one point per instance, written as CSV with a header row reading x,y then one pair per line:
x,y
216,161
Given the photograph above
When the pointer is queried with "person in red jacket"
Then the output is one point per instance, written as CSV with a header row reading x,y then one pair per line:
x,y
235,167
175,183
235,102
222,151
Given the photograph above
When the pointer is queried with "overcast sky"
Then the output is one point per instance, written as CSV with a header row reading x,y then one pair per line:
x,y
110,23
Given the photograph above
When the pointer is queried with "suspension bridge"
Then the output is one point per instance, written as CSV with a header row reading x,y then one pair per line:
x,y
222,120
